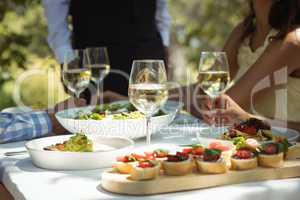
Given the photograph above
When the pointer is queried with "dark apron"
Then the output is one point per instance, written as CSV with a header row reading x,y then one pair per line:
x,y
126,27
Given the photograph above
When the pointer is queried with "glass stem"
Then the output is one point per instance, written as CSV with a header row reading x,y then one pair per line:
x,y
214,119
77,95
148,131
99,93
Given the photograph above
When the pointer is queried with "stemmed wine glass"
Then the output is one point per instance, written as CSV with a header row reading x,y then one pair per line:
x,y
76,75
214,74
148,88
98,62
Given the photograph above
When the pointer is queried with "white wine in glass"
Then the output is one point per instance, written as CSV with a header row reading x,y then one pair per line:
x,y
213,83
99,72
98,62
76,76
148,90
148,97
214,76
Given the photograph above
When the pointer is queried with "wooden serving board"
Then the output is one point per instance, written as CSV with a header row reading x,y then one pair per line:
x,y
121,184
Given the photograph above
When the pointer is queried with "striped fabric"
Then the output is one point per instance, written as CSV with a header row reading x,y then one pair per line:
x,y
23,126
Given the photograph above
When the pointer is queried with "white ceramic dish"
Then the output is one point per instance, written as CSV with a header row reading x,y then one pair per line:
x,y
130,128
106,149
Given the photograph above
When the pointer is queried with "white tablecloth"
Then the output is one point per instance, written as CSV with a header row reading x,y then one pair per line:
x,y
25,181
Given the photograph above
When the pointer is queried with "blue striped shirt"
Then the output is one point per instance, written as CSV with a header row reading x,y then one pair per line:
x,y
23,126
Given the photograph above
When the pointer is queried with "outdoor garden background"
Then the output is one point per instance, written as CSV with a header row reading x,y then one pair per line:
x,y
197,25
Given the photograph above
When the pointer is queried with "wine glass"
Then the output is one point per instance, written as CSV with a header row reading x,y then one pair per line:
x,y
213,75
76,75
98,62
148,88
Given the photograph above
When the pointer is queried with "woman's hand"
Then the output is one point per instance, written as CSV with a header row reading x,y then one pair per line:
x,y
229,112
223,110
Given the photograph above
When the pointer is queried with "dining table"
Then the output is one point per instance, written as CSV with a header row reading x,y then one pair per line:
x,y
22,180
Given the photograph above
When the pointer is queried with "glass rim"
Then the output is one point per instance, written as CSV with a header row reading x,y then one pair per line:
x,y
148,60
100,47
214,52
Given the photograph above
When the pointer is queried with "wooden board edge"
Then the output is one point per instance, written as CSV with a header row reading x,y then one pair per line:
x,y
138,188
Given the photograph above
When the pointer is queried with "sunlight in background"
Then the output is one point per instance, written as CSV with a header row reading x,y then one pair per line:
x,y
197,26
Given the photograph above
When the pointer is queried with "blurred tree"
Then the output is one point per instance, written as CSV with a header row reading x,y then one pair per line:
x,y
23,46
201,25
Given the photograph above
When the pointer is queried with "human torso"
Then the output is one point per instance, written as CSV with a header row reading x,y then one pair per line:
x,y
273,102
127,28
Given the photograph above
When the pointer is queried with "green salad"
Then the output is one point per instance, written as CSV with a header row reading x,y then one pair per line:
x,y
115,112
77,143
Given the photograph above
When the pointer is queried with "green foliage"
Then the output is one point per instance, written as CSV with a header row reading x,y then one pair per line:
x,y
23,47
202,25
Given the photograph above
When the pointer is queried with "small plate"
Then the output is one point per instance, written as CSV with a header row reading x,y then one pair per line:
x,y
290,134
106,149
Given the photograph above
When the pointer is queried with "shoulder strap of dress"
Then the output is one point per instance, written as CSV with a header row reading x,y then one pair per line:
x,y
298,35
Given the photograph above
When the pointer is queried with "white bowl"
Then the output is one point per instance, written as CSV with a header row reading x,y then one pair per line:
x,y
106,149
130,128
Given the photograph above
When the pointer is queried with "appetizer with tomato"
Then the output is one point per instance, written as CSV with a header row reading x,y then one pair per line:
x,y
293,152
211,162
226,151
125,164
245,156
145,170
271,155
161,154
194,150
177,165
251,128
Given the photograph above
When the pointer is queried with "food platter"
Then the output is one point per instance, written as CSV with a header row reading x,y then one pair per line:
x,y
130,128
105,150
122,184
250,153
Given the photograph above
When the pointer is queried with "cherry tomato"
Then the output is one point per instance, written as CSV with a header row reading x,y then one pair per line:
x,y
270,149
138,156
198,151
250,130
145,165
187,150
218,146
150,155
243,154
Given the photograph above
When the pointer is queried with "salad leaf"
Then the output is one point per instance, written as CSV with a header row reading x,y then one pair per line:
x,y
130,107
78,143
240,142
212,152
117,111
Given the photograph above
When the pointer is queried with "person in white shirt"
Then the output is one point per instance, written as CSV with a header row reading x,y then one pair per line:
x,y
131,29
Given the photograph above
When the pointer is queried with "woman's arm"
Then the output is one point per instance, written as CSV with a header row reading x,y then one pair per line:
x,y
235,114
231,48
279,54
